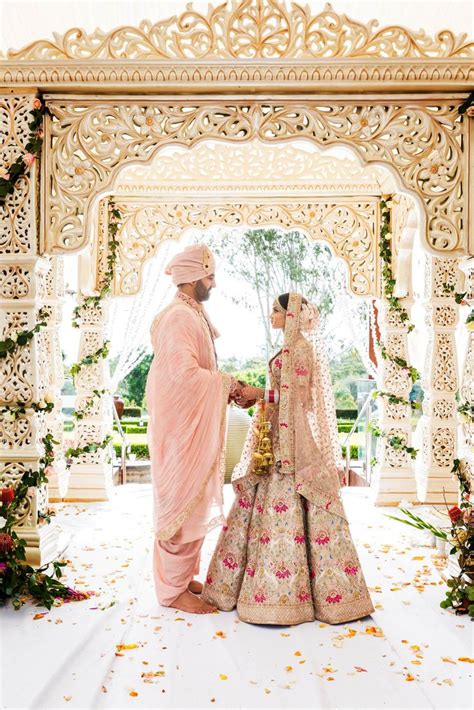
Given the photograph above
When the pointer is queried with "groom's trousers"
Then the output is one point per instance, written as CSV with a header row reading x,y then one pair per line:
x,y
175,564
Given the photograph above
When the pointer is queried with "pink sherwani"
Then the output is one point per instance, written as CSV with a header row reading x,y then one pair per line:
x,y
187,399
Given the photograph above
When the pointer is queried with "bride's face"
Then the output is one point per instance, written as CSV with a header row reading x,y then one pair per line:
x,y
277,318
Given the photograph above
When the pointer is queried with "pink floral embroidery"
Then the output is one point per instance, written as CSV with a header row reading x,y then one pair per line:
x,y
280,507
260,597
299,539
283,425
322,538
283,573
277,363
303,596
298,486
351,570
265,539
208,579
259,508
244,502
239,487
230,561
250,571
285,350
301,371
284,387
333,598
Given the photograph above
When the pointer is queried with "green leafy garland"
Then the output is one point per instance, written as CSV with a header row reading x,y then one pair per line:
x,y
466,409
94,302
18,580
9,176
88,404
394,305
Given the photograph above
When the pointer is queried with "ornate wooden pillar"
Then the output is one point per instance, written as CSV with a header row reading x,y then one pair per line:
x,y
439,421
23,373
91,473
54,299
466,435
394,479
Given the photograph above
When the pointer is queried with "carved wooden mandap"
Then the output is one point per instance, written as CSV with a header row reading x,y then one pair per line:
x,y
231,118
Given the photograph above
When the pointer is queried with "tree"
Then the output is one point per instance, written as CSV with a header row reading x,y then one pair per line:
x,y
133,385
272,262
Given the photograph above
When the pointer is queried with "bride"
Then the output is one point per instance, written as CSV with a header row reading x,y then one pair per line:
x,y
286,554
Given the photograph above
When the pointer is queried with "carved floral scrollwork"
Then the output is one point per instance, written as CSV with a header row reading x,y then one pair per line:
x,y
88,143
267,29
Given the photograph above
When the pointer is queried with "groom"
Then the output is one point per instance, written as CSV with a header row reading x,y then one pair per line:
x,y
187,399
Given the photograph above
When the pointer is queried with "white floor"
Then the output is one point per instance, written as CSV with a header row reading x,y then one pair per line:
x,y
68,658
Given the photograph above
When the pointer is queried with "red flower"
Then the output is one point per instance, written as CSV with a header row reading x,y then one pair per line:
x,y
283,573
265,539
322,538
303,596
333,598
455,513
7,495
299,539
259,508
250,571
280,507
225,528
3,567
244,502
6,542
208,579
277,363
351,570
284,424
260,597
230,561
36,103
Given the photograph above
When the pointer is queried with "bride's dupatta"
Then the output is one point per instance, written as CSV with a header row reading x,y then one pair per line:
x,y
309,444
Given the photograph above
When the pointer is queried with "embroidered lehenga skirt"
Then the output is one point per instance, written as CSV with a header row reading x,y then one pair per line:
x,y
281,559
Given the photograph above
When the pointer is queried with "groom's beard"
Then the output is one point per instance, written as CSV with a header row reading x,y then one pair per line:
x,y
202,293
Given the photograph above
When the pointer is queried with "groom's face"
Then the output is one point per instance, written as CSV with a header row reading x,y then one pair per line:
x,y
204,286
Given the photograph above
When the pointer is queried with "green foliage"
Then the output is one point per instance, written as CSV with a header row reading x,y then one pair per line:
x,y
132,412
354,451
274,262
133,386
141,451
346,413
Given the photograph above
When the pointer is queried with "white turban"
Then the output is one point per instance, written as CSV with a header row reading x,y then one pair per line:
x,y
194,263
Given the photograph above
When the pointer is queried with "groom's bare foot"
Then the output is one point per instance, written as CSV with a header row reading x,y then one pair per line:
x,y
193,605
195,587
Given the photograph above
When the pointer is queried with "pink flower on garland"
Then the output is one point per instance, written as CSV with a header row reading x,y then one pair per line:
x,y
303,596
260,597
333,598
244,502
299,539
283,573
29,159
208,579
265,538
280,507
36,103
230,561
351,570
322,538
250,571
3,567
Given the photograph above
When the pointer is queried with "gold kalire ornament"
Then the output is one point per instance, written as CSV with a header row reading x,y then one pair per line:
x,y
263,455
